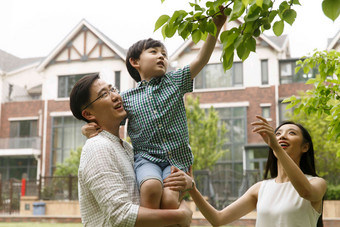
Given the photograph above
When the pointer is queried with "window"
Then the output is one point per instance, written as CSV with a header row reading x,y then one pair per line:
x,y
284,113
288,75
214,76
235,120
66,136
117,79
24,134
27,128
264,72
266,112
256,159
15,167
66,83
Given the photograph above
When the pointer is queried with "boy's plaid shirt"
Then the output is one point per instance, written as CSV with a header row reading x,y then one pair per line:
x,y
157,123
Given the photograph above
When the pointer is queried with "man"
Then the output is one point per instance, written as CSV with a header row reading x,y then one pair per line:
x,y
108,192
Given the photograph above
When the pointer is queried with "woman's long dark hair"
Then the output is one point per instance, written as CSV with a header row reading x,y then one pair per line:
x,y
307,164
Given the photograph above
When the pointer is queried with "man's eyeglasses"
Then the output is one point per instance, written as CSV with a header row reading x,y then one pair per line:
x,y
103,95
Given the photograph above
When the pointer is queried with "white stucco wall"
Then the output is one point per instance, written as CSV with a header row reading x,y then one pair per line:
x,y
26,77
106,67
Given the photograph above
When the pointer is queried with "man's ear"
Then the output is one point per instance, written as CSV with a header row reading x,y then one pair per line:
x,y
134,62
88,115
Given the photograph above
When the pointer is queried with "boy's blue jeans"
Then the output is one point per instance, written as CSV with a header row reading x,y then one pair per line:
x,y
146,170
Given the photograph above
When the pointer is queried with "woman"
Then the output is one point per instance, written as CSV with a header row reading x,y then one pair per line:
x,y
292,197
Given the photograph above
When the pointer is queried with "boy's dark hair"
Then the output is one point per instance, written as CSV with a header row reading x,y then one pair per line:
x,y
80,95
136,50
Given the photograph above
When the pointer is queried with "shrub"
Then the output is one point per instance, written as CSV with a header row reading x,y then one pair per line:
x,y
333,192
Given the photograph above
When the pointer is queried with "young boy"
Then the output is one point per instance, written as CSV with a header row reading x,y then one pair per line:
x,y
157,123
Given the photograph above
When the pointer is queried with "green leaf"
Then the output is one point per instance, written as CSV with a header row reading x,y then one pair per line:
x,y
170,30
241,50
161,20
163,31
292,98
224,36
259,3
253,13
311,81
184,30
238,41
278,28
245,2
229,38
238,10
289,16
228,58
251,44
182,27
272,15
296,2
211,28
283,6
196,36
331,8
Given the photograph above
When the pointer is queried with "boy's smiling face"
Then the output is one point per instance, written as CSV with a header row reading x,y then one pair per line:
x,y
153,62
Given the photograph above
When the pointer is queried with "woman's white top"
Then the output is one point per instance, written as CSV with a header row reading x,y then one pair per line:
x,y
279,205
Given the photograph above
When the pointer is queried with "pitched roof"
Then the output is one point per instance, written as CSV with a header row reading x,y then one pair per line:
x,y
111,44
333,41
280,41
9,62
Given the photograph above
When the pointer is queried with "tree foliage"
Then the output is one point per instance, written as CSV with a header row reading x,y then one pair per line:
x,y
256,16
324,98
206,134
70,165
327,152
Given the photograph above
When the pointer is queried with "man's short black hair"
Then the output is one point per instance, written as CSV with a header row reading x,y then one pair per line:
x,y
80,95
136,50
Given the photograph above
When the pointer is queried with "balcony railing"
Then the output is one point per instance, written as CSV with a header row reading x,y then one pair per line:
x,y
20,143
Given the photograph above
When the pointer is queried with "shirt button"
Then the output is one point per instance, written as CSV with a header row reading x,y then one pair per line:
x,y
160,126
155,112
164,139
150,97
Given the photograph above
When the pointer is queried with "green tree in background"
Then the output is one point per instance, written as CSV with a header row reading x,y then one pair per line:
x,y
324,98
256,16
70,165
206,134
327,156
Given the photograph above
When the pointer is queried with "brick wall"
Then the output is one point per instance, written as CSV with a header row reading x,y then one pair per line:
x,y
254,95
18,110
287,90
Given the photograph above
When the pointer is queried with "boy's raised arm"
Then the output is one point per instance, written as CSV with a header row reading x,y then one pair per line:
x,y
208,47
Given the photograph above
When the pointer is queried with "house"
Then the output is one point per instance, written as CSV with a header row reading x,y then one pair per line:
x,y
38,129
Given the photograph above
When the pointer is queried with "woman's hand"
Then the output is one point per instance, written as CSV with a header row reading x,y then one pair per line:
x,y
266,131
179,180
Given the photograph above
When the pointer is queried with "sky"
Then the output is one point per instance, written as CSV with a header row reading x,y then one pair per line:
x,y
33,28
